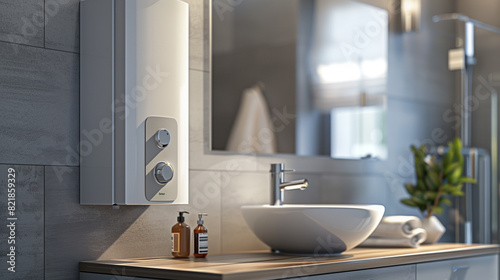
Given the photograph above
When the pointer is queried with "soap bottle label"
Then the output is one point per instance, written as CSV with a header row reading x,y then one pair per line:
x,y
176,246
202,243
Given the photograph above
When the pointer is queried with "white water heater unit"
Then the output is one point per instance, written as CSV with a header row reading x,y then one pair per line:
x,y
134,102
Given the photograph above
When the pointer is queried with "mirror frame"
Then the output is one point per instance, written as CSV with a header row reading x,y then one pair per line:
x,y
261,162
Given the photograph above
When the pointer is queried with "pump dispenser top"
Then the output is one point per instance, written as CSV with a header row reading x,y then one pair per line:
x,y
181,219
200,218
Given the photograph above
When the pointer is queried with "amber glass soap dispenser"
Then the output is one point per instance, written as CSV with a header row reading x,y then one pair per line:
x,y
200,238
180,237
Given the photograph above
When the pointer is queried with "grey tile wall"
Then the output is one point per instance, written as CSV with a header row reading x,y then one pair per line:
x,y
62,31
348,189
39,90
412,123
74,232
241,188
22,22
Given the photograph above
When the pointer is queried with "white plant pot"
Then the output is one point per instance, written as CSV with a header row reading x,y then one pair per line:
x,y
434,228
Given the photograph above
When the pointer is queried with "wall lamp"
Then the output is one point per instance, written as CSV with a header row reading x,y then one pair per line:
x,y
410,12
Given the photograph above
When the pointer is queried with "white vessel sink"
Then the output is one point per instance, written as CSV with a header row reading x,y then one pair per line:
x,y
313,229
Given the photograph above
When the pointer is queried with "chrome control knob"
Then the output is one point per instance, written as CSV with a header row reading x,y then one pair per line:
x,y
163,173
162,138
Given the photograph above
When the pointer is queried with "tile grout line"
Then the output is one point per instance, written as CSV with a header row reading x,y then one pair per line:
x,y
39,47
220,212
44,30
39,165
44,222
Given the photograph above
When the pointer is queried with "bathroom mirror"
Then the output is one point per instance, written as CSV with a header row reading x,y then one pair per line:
x,y
303,77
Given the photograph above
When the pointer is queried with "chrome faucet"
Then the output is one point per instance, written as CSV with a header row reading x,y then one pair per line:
x,y
279,186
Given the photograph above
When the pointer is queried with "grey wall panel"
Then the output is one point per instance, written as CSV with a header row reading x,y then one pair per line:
x,y
22,22
413,123
27,220
238,189
73,232
63,25
39,90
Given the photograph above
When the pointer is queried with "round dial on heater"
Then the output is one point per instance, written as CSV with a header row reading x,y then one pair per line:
x,y
162,138
163,173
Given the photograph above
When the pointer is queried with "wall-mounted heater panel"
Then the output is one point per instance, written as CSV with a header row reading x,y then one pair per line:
x,y
134,102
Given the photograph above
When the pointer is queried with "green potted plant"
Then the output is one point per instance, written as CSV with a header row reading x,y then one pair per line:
x,y
437,180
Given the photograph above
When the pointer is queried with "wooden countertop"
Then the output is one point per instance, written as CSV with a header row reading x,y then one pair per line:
x,y
265,265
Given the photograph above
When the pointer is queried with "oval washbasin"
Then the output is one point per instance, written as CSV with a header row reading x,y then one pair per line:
x,y
312,229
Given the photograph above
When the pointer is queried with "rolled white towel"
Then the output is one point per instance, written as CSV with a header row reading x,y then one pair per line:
x,y
414,240
397,227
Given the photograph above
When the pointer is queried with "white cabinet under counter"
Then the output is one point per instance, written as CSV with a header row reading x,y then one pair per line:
x,y
475,268
440,261
400,272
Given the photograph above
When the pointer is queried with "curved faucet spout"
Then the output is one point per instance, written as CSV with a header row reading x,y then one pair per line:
x,y
301,184
279,186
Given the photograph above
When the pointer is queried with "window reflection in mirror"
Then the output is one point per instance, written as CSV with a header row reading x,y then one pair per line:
x,y
358,132
305,77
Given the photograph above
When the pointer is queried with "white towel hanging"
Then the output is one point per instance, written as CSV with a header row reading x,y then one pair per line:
x,y
252,130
